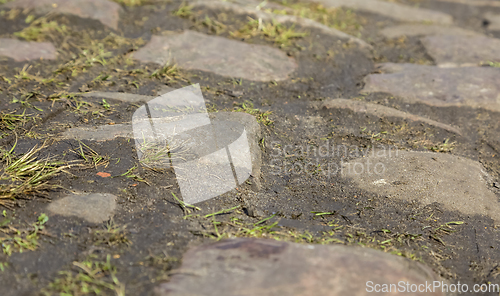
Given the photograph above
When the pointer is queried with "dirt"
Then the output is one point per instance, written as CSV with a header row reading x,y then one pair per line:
x,y
156,228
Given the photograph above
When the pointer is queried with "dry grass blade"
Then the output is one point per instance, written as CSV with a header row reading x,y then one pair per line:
x,y
10,120
90,157
27,175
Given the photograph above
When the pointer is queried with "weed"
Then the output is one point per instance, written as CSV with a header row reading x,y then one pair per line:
x,y
224,211
185,206
25,103
27,175
339,18
112,235
93,54
41,29
130,174
130,2
184,11
491,64
18,240
444,147
262,117
11,121
91,276
169,71
214,25
274,31
91,157
105,104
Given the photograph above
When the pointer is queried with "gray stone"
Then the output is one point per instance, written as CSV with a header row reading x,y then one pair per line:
x,y
94,207
99,133
21,51
454,50
193,50
458,183
124,97
382,111
250,7
246,266
476,87
424,30
494,20
105,11
393,10
492,3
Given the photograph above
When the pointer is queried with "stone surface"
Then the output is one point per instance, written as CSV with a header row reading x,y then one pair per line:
x,y
21,51
492,3
393,10
460,184
225,57
452,51
105,11
94,207
267,267
474,86
99,133
250,7
494,20
424,30
124,97
382,111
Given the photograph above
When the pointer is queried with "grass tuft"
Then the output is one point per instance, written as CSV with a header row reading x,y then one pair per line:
x,y
274,31
88,277
26,175
184,10
262,117
18,240
42,30
112,235
336,17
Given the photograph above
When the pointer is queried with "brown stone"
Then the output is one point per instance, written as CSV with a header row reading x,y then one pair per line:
x,y
262,10
382,111
268,267
94,207
471,86
458,183
424,30
393,10
21,51
105,11
494,21
225,57
456,50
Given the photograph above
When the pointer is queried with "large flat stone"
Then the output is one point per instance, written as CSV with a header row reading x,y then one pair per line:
x,y
393,10
261,11
124,97
94,207
105,11
99,133
474,86
494,20
382,111
225,57
424,30
456,50
268,267
460,184
21,51
492,3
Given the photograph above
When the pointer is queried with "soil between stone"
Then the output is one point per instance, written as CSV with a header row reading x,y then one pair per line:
x,y
159,234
